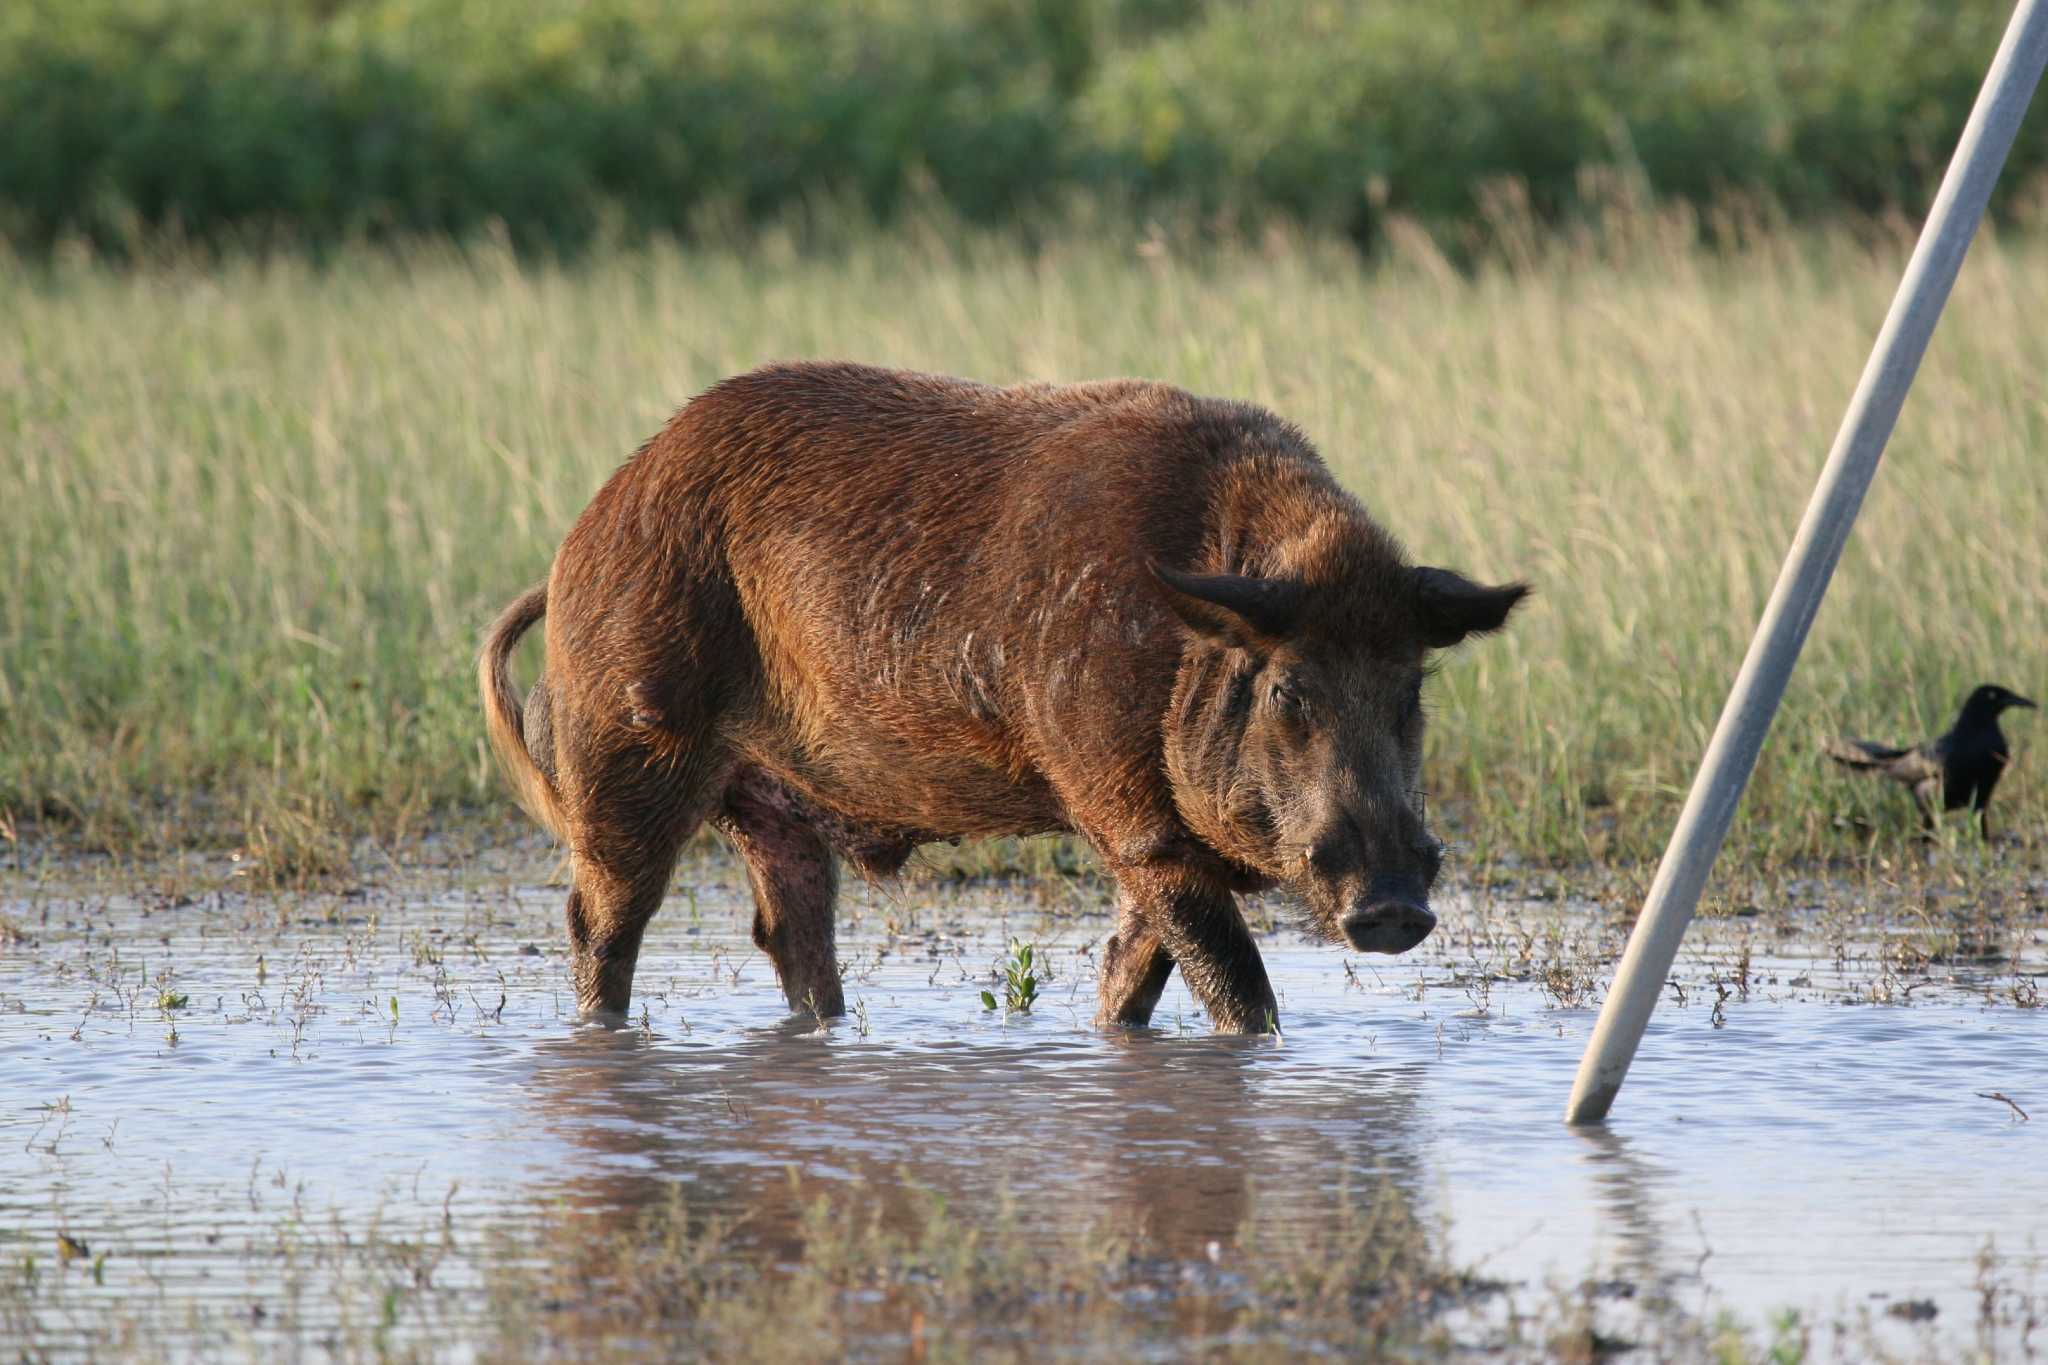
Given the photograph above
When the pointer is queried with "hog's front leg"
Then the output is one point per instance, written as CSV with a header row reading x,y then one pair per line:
x,y
1197,924
1135,966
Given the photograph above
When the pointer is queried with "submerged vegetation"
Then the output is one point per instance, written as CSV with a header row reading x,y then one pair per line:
x,y
255,511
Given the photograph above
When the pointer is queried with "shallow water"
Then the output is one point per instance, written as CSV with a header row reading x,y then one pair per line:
x,y
412,1059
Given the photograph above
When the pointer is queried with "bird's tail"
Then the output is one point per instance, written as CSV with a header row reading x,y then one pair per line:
x,y
1860,753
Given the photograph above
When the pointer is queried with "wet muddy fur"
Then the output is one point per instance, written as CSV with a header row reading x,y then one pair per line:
x,y
842,610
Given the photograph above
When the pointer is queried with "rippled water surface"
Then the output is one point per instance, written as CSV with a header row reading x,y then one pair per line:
x,y
179,1077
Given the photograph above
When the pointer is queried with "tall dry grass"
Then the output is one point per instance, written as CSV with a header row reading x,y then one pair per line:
x,y
254,511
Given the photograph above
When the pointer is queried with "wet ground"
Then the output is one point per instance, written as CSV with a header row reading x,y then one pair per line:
x,y
195,1091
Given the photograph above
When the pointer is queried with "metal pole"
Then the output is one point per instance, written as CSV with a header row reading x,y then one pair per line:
x,y
1867,425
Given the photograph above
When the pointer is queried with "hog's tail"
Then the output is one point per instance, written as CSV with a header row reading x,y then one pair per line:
x,y
504,716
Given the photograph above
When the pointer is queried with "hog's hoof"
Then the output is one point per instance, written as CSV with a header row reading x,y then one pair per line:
x,y
820,1002
1122,1018
1247,1027
1245,1017
1388,926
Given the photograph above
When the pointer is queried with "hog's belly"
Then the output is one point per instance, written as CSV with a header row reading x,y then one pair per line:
x,y
927,793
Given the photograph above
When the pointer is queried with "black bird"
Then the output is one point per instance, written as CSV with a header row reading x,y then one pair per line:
x,y
1964,763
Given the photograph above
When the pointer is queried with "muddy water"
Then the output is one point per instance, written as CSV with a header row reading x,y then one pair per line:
x,y
196,1090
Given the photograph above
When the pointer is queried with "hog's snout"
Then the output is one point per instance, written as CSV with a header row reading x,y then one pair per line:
x,y
1393,917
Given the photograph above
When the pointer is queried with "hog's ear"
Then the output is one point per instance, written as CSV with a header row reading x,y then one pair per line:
x,y
1232,609
1450,606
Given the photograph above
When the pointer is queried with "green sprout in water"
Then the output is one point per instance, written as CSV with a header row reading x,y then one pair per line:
x,y
1020,983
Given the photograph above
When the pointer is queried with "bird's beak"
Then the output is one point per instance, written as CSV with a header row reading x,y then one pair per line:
x,y
2022,701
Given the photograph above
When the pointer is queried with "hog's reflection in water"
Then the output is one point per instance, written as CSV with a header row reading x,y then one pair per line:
x,y
1175,1138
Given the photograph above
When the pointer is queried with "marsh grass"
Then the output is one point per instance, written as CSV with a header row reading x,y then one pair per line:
x,y
255,510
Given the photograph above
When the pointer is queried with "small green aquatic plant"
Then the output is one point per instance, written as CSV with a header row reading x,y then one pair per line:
x,y
1019,981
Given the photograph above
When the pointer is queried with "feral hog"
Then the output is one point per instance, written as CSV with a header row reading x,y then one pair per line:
x,y
840,609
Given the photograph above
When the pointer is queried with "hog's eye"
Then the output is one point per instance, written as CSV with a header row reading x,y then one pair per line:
x,y
1283,698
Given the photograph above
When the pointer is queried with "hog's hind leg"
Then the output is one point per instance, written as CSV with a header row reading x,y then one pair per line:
x,y
629,813
795,883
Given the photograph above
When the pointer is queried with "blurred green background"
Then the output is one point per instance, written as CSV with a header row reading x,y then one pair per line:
x,y
570,120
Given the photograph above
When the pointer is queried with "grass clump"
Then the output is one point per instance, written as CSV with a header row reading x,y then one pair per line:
x,y
1018,979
